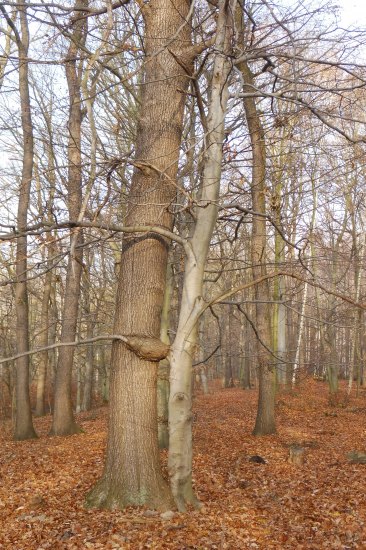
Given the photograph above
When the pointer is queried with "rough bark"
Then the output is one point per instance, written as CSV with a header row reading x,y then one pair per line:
x,y
90,317
330,333
63,416
46,310
244,376
23,419
43,342
132,474
265,420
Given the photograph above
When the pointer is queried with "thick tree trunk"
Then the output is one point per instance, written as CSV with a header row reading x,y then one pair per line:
x,y
23,419
132,474
63,415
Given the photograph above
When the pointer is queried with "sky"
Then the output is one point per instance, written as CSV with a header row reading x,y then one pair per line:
x,y
353,12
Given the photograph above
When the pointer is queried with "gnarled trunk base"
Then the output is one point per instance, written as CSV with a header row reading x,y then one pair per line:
x,y
106,494
132,475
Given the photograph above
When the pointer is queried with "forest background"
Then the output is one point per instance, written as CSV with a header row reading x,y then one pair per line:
x,y
183,201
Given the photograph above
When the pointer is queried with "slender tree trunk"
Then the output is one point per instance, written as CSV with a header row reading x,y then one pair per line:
x,y
163,371
355,349
265,420
43,342
180,401
228,373
48,281
23,419
7,48
86,403
201,370
299,337
52,336
279,309
132,474
332,360
63,415
281,336
90,315
244,352
330,333
201,356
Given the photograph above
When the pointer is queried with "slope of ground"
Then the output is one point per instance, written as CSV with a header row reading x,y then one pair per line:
x,y
275,505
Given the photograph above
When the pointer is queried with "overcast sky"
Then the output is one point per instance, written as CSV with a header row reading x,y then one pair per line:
x,y
353,12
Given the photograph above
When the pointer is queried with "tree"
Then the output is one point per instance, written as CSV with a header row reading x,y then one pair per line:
x,y
265,420
132,474
23,421
63,422
192,305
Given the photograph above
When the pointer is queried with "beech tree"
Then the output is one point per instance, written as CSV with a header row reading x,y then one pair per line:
x,y
180,401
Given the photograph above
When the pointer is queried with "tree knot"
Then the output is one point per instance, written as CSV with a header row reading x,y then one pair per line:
x,y
146,347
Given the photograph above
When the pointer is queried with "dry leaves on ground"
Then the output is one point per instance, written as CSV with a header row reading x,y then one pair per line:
x,y
275,505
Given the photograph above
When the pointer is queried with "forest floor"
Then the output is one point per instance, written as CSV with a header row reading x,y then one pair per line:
x,y
319,505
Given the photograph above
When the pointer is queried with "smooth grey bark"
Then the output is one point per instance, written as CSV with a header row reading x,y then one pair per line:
x,y
300,336
355,355
182,352
163,371
281,336
201,356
